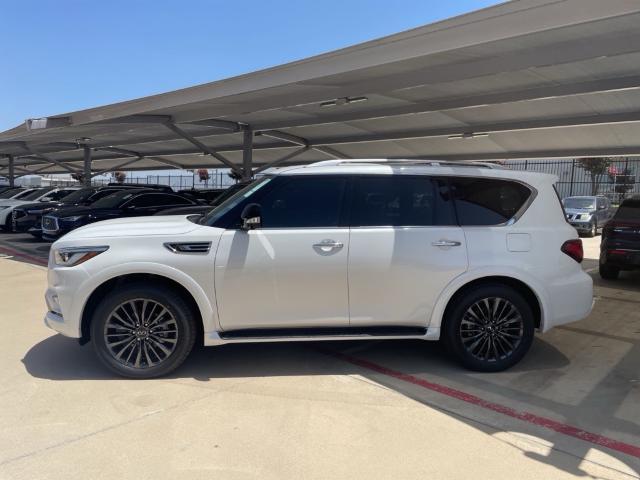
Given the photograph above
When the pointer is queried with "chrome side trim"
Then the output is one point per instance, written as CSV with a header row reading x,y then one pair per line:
x,y
201,248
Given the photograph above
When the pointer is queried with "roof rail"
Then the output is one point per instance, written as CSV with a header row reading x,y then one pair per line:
x,y
409,162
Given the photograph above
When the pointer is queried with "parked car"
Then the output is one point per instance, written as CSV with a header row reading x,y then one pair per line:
x,y
620,245
478,257
588,214
125,203
28,217
45,194
204,209
15,192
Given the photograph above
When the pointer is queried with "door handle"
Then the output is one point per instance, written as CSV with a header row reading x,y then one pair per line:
x,y
446,243
328,245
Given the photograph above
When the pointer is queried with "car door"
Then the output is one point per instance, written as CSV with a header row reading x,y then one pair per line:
x,y
405,247
292,271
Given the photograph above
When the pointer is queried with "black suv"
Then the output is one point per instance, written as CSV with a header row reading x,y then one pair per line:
x,y
125,203
28,217
620,246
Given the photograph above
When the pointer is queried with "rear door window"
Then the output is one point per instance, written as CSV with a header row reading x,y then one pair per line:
x,y
398,200
485,201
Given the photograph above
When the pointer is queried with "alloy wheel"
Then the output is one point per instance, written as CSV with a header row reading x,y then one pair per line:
x,y
141,333
491,329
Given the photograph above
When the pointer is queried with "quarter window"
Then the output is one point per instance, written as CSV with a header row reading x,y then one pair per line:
x,y
401,201
481,201
304,202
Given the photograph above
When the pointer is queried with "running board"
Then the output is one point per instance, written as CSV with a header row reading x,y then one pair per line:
x,y
338,332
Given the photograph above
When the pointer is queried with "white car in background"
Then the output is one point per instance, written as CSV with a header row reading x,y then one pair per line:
x,y
45,194
340,250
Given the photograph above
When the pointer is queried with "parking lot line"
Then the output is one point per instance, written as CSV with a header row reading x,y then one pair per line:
x,y
528,417
15,253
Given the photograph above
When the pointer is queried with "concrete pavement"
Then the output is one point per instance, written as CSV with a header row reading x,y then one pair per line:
x,y
320,410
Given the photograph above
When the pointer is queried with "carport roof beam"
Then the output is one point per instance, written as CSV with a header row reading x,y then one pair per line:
x,y
281,160
203,148
296,140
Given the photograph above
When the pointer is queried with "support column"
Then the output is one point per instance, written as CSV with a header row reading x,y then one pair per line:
x,y
87,166
12,175
247,154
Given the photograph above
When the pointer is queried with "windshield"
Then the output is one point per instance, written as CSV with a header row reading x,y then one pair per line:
x,y
35,194
234,200
9,193
114,200
580,202
77,196
629,211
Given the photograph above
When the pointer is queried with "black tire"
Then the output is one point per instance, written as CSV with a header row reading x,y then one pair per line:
x,y
593,230
608,272
181,318
455,333
7,226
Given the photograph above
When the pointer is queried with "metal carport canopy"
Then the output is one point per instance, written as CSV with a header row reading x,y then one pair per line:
x,y
523,79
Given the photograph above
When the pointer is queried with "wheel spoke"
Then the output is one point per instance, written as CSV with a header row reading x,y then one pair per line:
x,y
141,333
491,329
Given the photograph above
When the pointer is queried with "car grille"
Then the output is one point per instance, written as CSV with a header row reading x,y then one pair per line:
x,y
574,216
49,223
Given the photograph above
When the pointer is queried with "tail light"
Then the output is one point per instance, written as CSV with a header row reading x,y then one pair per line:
x,y
573,248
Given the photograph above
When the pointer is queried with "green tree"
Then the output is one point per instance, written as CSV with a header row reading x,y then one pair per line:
x,y
596,167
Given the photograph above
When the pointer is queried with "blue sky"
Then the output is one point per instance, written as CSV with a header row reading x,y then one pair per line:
x,y
64,55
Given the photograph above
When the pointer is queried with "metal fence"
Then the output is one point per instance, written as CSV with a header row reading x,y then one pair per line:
x,y
217,179
616,178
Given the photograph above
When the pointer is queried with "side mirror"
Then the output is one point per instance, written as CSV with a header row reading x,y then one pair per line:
x,y
602,207
251,216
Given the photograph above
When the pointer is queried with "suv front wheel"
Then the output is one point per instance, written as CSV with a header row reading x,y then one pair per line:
x,y
489,328
143,331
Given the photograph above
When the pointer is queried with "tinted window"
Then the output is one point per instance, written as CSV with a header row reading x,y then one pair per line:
x,y
114,200
35,194
101,194
482,201
231,199
400,201
78,195
10,193
629,211
300,202
59,194
158,200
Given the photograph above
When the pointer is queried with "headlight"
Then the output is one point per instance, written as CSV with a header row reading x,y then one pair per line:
x,y
72,256
75,218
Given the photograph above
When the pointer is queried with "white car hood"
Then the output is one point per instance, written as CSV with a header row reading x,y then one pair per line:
x,y
135,226
9,202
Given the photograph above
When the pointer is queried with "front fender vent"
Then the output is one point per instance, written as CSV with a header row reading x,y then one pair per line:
x,y
188,247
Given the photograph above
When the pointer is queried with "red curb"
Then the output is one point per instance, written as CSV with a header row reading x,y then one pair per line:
x,y
16,253
532,418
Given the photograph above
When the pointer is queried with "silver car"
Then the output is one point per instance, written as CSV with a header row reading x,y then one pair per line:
x,y
588,214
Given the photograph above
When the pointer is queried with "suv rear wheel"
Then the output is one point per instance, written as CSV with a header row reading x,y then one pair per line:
x,y
490,328
143,331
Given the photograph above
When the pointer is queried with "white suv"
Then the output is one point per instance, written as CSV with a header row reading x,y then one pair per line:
x,y
340,250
